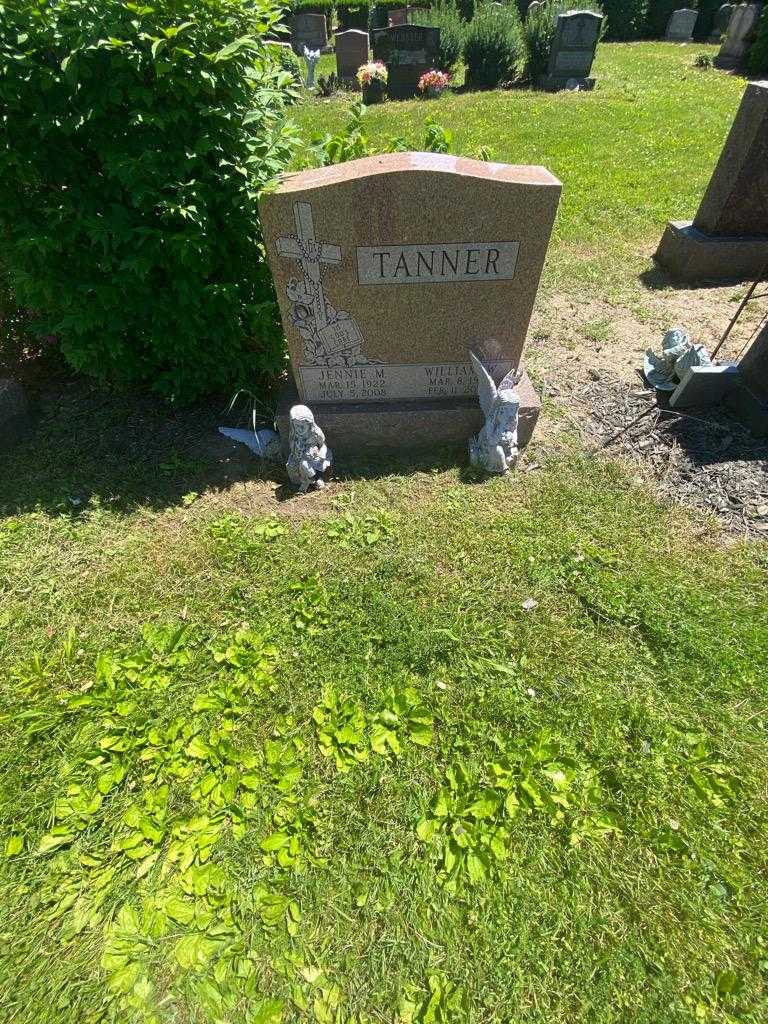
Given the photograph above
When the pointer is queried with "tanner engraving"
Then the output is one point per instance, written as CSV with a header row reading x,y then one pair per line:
x,y
437,263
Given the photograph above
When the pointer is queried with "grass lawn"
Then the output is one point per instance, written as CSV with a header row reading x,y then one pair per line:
x,y
419,749
634,154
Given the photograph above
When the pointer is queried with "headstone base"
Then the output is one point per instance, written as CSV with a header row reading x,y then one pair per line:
x,y
728,61
690,255
704,386
554,83
355,427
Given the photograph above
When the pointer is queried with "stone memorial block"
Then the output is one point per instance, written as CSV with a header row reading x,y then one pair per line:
x,y
573,50
533,7
408,51
680,26
720,26
351,52
728,237
742,27
389,270
397,17
308,30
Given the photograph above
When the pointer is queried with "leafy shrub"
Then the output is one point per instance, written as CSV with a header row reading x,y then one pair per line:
x,y
539,32
352,14
494,50
703,60
136,141
288,61
625,19
445,16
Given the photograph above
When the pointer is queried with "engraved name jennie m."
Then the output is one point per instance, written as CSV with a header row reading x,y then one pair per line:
x,y
436,263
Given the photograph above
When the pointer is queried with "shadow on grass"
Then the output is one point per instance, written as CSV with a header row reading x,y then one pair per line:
x,y
130,450
122,450
656,279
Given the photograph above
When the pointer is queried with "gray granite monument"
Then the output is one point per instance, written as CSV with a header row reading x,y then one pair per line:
x,y
728,237
573,51
681,25
720,24
742,27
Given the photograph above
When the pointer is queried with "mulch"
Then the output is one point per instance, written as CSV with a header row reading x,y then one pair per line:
x,y
704,459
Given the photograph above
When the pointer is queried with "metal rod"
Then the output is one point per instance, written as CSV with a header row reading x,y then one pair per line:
x,y
750,292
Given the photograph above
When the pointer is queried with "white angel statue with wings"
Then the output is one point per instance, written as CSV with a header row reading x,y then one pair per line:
x,y
495,448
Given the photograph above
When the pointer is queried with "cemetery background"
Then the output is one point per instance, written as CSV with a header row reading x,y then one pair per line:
x,y
536,629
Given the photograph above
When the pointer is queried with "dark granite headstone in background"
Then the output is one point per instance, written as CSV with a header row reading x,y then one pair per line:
x,y
720,26
308,30
681,25
573,50
351,52
408,51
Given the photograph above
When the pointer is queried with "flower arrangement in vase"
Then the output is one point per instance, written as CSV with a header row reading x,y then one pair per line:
x,y
433,83
372,78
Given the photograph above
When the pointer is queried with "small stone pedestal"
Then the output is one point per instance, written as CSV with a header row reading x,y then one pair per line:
x,y
353,428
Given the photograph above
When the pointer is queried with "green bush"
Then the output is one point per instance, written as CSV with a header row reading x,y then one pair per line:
x,y
758,54
136,139
494,50
445,16
625,19
352,14
288,61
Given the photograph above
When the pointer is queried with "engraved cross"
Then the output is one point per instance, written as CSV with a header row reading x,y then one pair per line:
x,y
310,254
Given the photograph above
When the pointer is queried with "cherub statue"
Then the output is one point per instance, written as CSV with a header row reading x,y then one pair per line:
x,y
678,354
308,456
495,447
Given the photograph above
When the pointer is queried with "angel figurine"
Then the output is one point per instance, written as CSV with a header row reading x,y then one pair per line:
x,y
495,448
309,456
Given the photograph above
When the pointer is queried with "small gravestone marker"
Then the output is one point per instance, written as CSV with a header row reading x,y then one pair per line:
x,y
742,27
720,25
533,7
573,50
308,30
408,51
728,238
381,311
680,26
351,52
